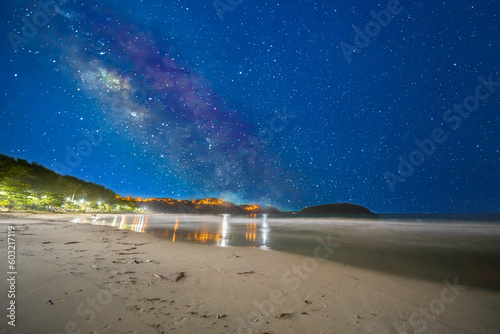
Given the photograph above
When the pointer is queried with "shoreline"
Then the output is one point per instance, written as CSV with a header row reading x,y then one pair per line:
x,y
405,248
104,283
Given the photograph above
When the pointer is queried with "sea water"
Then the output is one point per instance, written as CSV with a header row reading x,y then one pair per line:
x,y
427,246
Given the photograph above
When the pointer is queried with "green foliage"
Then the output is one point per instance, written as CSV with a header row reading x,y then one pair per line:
x,y
25,185
4,203
19,176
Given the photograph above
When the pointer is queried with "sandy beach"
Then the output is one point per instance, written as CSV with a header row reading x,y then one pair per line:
x,y
79,278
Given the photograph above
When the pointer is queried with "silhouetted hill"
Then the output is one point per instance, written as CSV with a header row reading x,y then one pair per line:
x,y
336,209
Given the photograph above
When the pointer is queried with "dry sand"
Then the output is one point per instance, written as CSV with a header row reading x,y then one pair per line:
x,y
114,281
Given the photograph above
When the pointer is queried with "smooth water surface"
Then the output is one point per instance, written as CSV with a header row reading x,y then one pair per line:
x,y
433,249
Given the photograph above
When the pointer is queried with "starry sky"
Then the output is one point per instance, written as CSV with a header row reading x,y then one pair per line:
x,y
391,105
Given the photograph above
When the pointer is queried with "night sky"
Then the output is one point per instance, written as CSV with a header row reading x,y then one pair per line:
x,y
394,106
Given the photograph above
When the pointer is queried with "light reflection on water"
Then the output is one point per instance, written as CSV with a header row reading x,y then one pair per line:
x,y
224,230
430,249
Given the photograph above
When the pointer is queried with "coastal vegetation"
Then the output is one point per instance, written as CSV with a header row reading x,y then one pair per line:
x,y
30,186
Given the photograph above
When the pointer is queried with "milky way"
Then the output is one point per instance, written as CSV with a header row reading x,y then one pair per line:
x,y
167,108
288,103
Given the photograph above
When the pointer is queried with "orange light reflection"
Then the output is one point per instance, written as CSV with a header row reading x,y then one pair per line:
x,y
175,228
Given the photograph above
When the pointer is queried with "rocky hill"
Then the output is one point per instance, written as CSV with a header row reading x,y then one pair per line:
x,y
199,206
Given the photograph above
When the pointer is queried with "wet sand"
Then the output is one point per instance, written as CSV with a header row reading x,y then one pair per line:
x,y
432,250
116,281
429,249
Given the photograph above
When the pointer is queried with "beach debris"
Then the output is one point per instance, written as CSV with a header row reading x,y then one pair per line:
x,y
154,299
129,272
134,308
304,313
180,275
45,242
159,276
131,248
69,293
220,316
234,255
373,314
245,272
118,262
307,302
264,332
123,253
136,261
102,329
357,317
50,302
72,242
283,315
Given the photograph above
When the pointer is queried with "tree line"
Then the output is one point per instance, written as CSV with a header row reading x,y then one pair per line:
x,y
25,185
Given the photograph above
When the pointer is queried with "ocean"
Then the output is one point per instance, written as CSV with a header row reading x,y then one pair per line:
x,y
434,247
